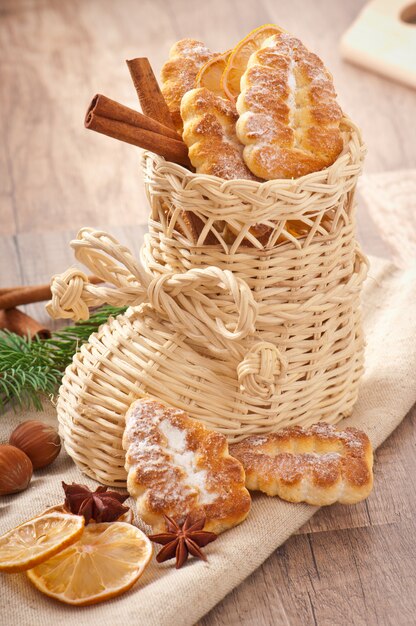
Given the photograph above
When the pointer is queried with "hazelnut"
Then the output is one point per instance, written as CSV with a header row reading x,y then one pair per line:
x,y
15,470
39,441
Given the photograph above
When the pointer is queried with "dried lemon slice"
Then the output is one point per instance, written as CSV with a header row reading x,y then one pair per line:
x,y
210,74
238,59
106,561
37,540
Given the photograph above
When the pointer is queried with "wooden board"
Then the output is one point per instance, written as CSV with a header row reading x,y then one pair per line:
x,y
383,39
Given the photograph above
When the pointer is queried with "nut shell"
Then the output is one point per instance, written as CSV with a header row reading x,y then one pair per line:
x,y
15,470
39,441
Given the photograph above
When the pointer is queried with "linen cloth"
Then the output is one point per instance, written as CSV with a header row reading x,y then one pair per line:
x,y
390,198
166,596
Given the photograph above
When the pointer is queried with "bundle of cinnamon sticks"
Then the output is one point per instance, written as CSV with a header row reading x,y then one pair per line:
x,y
152,130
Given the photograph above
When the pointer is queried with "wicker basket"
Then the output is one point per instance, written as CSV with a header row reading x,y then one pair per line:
x,y
247,335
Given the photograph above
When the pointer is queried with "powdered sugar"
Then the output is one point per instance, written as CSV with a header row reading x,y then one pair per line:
x,y
191,48
186,460
291,99
176,438
158,449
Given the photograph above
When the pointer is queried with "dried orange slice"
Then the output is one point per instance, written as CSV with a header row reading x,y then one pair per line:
x,y
238,59
37,540
106,560
209,75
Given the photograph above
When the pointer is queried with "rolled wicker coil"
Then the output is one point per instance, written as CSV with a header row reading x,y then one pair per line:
x,y
247,334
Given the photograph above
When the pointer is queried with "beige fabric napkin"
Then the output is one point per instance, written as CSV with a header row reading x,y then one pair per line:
x,y
165,596
391,202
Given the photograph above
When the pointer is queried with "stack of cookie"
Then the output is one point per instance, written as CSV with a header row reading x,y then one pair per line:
x,y
265,110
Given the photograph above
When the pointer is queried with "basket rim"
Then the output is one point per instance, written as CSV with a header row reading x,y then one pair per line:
x,y
281,184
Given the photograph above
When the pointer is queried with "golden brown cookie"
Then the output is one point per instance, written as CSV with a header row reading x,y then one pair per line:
x,y
209,132
177,467
318,465
186,57
289,118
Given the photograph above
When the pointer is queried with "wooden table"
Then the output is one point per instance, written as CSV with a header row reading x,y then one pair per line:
x,y
349,565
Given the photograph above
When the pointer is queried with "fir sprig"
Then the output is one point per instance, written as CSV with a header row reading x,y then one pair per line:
x,y
33,368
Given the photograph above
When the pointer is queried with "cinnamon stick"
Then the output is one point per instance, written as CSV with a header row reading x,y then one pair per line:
x,y
11,297
150,97
154,105
112,110
171,149
18,322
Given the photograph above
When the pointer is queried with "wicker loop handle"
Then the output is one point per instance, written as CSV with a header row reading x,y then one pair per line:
x,y
229,314
181,297
98,251
73,295
260,370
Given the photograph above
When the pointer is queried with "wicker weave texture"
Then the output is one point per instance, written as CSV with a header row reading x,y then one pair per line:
x,y
248,334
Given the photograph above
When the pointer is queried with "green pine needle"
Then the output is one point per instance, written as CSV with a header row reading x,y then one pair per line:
x,y
32,368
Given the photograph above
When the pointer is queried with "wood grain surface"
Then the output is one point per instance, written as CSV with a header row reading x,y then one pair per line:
x,y
348,565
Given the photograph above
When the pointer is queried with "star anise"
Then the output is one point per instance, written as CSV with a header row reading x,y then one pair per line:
x,y
100,505
180,541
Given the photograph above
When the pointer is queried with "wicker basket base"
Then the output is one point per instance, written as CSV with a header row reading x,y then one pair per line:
x,y
136,353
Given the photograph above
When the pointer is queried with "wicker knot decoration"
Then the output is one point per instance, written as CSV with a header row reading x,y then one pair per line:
x,y
260,368
246,333
208,322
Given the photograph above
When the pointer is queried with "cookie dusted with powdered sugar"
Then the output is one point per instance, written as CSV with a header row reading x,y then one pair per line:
x,y
209,132
177,467
318,465
186,57
289,118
